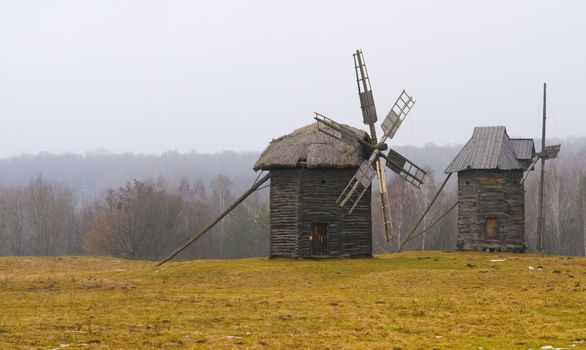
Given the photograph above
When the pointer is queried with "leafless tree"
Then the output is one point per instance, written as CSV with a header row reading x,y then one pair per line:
x,y
12,216
581,208
196,213
50,214
221,198
139,220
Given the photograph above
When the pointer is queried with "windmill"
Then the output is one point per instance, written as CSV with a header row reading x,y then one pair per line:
x,y
492,169
374,165
307,162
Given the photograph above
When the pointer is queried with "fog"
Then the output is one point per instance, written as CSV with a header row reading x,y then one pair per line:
x,y
151,76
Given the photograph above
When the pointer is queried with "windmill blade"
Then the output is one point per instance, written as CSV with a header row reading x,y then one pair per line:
x,y
358,185
405,168
396,115
364,90
551,152
529,168
338,131
385,206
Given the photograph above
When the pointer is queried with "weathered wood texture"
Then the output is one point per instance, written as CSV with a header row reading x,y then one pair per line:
x,y
284,200
486,194
301,197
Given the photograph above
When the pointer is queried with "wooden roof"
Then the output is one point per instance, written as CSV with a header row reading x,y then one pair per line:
x,y
491,148
524,148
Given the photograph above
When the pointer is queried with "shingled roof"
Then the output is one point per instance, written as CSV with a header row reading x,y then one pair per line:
x,y
491,148
308,147
524,148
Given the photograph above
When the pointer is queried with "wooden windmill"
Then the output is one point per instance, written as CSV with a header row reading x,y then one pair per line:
x,y
321,176
492,168
374,165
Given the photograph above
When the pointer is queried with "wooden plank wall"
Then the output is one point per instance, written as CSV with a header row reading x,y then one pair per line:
x,y
315,198
491,193
284,198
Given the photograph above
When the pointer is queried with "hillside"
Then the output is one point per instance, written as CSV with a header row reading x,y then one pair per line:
x,y
442,300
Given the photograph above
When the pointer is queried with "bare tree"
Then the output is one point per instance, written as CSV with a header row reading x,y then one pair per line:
x,y
424,197
403,208
50,214
12,216
221,197
196,213
139,220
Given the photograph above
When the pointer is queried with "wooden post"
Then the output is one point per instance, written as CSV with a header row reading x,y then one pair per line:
x,y
541,219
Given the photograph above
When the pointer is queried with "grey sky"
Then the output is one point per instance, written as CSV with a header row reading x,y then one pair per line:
x,y
150,76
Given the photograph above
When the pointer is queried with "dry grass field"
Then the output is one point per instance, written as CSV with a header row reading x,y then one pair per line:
x,y
425,300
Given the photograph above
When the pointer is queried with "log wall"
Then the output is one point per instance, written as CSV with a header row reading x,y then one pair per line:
x,y
284,197
301,197
484,194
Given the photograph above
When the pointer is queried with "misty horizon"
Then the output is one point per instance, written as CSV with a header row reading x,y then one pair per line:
x,y
105,151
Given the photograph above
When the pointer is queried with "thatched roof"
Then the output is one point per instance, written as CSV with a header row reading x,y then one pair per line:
x,y
308,147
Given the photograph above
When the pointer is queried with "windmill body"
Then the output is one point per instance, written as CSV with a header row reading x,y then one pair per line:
x,y
491,196
308,171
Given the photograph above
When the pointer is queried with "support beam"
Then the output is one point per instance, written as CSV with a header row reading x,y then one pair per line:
x,y
220,217
426,210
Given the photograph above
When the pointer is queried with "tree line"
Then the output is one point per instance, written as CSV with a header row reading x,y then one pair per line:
x,y
56,214
139,220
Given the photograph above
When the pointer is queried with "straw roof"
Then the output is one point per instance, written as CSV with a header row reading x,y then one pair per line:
x,y
308,147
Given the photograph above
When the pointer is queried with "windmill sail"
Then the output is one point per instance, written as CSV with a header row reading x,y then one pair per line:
x,y
396,115
338,131
364,90
357,186
551,152
529,168
405,168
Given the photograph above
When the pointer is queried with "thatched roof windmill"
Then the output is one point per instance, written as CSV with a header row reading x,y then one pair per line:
x,y
308,171
374,165
321,178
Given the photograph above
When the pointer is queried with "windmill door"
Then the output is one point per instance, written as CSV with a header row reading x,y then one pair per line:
x,y
490,229
319,239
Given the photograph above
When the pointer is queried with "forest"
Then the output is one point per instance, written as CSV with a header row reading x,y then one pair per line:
x,y
144,206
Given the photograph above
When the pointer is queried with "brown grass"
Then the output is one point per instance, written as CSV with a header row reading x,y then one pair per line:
x,y
419,300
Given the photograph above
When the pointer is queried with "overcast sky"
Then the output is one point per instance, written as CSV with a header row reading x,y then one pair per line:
x,y
151,76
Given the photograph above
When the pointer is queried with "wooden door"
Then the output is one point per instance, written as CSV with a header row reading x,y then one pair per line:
x,y
490,229
319,239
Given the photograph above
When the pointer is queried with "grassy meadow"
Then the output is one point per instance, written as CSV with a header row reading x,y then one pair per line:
x,y
419,300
